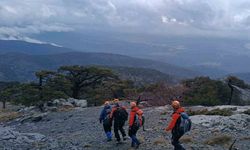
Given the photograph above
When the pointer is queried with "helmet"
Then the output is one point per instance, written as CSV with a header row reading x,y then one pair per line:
x,y
132,104
175,104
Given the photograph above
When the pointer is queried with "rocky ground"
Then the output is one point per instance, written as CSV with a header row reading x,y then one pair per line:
x,y
79,128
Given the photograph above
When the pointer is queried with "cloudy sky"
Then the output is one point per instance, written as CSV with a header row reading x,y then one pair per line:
x,y
21,18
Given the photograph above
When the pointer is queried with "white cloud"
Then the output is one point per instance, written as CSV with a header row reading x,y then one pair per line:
x,y
206,17
211,64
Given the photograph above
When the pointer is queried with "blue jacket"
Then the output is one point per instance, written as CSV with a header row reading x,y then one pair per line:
x,y
104,113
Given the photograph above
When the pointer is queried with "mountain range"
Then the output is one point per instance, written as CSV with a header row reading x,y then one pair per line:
x,y
21,60
221,55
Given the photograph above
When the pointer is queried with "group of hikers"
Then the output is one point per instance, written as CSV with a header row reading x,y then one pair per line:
x,y
179,125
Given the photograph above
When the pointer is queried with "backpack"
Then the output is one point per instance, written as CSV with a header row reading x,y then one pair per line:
x,y
185,123
139,119
122,114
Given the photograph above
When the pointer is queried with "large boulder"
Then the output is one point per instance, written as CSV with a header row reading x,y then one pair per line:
x,y
78,102
81,103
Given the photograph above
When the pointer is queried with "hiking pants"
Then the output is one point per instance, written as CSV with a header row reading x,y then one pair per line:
x,y
132,134
107,128
118,126
175,141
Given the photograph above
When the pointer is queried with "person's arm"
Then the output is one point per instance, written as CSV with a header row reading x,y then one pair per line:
x,y
173,122
131,118
102,116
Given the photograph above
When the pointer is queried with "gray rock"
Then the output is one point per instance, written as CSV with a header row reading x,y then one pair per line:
x,y
7,134
81,103
67,104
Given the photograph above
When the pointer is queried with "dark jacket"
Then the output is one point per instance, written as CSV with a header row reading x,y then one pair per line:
x,y
114,114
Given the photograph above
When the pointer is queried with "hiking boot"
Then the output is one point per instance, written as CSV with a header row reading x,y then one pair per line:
x,y
132,144
137,146
109,140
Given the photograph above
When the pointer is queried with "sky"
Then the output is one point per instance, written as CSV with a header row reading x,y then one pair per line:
x,y
21,19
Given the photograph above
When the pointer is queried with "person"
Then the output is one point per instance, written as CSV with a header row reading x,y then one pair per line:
x,y
120,116
135,122
174,125
106,120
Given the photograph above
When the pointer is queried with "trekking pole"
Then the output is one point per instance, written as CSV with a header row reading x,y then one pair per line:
x,y
231,146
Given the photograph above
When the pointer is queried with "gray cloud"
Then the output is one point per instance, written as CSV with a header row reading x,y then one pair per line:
x,y
177,17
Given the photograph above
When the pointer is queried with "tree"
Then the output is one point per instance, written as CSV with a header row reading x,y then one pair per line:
x,y
81,77
43,76
205,91
108,90
6,91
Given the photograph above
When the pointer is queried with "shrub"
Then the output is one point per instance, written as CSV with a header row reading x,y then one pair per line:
x,y
220,112
247,112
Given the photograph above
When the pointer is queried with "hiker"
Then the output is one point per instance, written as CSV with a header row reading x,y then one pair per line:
x,y
135,122
120,116
106,120
179,124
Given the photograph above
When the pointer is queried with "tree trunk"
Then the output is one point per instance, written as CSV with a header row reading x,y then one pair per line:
x,y
4,104
231,93
40,87
76,92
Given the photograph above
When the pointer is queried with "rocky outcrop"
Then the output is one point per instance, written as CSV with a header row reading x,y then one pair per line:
x,y
80,129
10,138
70,102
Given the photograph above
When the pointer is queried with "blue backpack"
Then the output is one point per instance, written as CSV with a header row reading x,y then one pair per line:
x,y
185,123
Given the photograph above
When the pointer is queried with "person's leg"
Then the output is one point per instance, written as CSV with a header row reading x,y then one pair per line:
x,y
105,130
176,143
130,134
109,133
122,130
116,128
137,142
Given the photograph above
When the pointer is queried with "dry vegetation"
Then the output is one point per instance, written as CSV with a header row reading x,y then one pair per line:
x,y
6,115
159,141
217,111
186,139
219,140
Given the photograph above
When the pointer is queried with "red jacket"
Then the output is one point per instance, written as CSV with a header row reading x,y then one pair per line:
x,y
132,115
175,117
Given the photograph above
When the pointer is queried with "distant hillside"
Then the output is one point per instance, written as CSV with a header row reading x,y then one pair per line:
x,y
210,71
20,60
243,76
21,67
143,76
7,46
